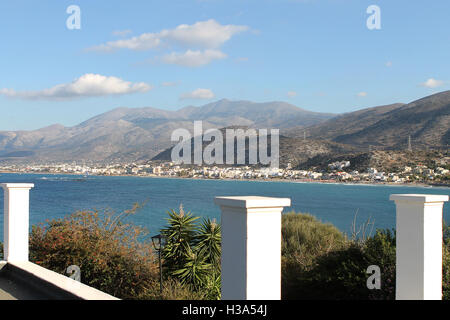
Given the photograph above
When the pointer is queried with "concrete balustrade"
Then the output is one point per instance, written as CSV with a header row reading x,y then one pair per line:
x,y
35,282
16,221
251,247
419,246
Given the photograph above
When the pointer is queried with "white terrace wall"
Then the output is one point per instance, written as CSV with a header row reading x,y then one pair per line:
x,y
251,246
419,246
16,221
16,244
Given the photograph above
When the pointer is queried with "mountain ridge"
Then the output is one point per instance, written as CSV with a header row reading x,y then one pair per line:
x,y
426,121
126,133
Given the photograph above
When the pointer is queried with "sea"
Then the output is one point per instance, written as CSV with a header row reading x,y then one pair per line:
x,y
343,205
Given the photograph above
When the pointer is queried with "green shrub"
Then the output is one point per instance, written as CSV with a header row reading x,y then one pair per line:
x,y
179,236
172,290
192,253
380,250
446,264
340,272
107,250
337,275
319,262
304,239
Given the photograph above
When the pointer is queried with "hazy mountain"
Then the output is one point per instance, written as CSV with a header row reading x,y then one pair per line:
x,y
141,133
129,134
262,115
426,120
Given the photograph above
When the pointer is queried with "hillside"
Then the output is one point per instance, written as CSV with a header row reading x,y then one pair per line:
x,y
130,134
292,150
127,134
388,161
426,120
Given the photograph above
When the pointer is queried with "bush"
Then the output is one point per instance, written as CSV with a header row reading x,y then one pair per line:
x,y
340,271
336,275
172,290
117,258
341,274
446,264
107,250
380,250
192,253
319,262
304,239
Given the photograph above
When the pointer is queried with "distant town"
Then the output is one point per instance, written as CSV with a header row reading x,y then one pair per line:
x,y
335,172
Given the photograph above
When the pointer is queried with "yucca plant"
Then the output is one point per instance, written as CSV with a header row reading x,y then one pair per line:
x,y
180,235
208,242
209,246
192,253
212,286
194,271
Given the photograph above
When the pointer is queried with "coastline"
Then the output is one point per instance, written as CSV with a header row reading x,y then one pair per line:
x,y
350,183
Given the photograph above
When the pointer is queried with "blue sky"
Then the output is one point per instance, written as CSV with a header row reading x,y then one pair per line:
x,y
315,54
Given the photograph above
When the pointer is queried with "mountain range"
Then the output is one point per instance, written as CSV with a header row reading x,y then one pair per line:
x,y
129,134
426,121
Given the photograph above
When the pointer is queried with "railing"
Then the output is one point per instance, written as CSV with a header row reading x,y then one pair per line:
x,y
16,243
251,245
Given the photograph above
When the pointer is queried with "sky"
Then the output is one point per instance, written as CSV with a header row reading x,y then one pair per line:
x,y
66,61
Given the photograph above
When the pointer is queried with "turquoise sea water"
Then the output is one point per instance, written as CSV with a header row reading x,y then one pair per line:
x,y
57,195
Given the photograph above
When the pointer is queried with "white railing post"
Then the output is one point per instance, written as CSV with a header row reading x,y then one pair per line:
x,y
251,247
419,246
16,221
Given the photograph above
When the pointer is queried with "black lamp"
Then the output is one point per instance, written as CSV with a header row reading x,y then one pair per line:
x,y
158,242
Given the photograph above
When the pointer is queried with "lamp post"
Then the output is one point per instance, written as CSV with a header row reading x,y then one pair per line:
x,y
158,244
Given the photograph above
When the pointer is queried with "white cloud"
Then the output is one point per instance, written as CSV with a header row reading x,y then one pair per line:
x,y
292,94
193,58
203,34
145,41
206,34
388,64
198,94
88,85
362,94
432,83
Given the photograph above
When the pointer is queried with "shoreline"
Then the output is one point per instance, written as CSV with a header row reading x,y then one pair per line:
x,y
363,183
